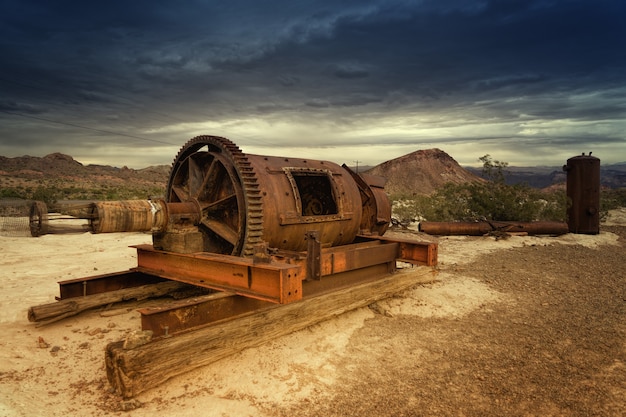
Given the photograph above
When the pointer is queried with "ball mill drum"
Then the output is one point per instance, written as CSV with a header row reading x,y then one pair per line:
x,y
245,200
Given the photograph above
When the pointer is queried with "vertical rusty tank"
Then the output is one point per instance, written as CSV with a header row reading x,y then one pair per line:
x,y
583,194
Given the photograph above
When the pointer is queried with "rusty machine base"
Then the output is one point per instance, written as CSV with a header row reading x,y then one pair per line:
x,y
251,299
250,283
268,245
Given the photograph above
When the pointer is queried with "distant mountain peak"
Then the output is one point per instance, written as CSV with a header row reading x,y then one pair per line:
x,y
60,157
422,172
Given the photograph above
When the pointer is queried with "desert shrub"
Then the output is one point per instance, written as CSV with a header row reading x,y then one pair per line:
x,y
48,195
473,202
490,200
10,193
52,193
611,199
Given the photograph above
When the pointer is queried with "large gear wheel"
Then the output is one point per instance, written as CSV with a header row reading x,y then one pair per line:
x,y
213,172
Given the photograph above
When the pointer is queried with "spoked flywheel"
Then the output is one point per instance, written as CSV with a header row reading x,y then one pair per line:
x,y
213,172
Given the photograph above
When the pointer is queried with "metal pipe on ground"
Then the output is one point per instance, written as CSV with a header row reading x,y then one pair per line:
x,y
485,227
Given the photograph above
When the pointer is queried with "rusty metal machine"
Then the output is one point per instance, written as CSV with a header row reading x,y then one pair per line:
x,y
253,232
263,227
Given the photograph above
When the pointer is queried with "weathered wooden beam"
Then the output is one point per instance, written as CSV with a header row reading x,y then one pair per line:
x,y
137,369
58,310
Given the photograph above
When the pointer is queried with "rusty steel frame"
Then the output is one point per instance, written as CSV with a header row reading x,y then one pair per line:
x,y
98,284
275,282
323,262
184,315
280,281
410,251
246,285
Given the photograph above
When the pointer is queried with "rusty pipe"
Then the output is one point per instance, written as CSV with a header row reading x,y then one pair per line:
x,y
484,227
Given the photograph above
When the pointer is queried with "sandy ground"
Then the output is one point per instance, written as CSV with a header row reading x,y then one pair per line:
x,y
58,370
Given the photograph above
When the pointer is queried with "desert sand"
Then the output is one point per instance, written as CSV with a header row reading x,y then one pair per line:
x,y
58,370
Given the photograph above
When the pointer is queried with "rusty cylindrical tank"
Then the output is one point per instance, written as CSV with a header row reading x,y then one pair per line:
x,y
583,194
249,200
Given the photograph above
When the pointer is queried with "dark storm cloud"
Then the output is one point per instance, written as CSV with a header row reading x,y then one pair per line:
x,y
143,74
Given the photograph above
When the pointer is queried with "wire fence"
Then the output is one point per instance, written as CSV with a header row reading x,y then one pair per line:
x,y
14,218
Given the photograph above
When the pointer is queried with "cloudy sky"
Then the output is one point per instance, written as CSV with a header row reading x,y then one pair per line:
x,y
530,82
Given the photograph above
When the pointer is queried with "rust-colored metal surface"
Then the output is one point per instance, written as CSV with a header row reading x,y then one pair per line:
x,y
413,252
301,195
221,200
275,282
197,311
265,229
279,279
583,194
376,207
205,310
259,230
246,200
482,228
98,284
123,216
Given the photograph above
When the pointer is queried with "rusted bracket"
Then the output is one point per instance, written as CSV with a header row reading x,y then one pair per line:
x,y
99,284
417,253
314,256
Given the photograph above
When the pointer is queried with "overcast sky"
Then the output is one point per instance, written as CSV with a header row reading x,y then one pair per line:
x,y
530,82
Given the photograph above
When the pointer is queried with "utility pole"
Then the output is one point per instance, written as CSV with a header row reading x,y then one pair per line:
x,y
357,166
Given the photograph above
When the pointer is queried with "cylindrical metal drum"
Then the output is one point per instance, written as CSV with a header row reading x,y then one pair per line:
x,y
252,201
302,195
583,194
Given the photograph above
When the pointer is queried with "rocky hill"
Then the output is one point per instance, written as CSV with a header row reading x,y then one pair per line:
x,y
422,172
60,177
64,166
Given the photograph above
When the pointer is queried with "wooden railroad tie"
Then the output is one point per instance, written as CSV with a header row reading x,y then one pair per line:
x,y
133,370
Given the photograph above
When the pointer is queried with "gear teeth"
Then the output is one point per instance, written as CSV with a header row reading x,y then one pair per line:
x,y
253,233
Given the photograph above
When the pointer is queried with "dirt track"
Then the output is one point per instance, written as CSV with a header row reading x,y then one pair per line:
x,y
524,326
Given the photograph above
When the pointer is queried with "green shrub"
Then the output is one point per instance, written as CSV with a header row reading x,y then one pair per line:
x,y
490,200
611,199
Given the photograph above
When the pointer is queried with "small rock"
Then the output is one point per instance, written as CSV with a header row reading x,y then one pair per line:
x,y
42,343
378,309
130,405
94,332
